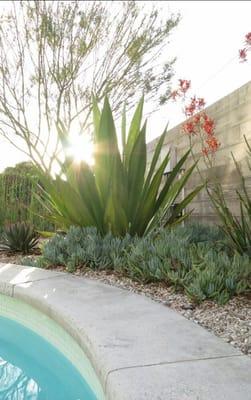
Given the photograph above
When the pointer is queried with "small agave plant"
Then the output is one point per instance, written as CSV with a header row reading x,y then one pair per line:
x,y
118,194
19,237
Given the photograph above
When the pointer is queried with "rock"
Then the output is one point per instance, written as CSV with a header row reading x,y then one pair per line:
x,y
187,307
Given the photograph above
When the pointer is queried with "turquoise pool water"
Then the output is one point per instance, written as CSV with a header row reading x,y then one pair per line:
x,y
32,369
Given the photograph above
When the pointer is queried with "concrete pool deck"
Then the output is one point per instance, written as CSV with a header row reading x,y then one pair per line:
x,y
140,350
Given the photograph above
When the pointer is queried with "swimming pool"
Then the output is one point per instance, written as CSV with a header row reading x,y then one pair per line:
x,y
39,360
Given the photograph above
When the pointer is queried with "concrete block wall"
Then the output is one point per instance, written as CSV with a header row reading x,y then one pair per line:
x,y
232,115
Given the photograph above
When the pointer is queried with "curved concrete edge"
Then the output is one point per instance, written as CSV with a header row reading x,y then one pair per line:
x,y
138,348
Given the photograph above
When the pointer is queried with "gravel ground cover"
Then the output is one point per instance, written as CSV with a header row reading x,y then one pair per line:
x,y
231,322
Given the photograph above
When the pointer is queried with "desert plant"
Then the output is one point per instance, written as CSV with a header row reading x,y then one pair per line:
x,y
200,127
237,229
85,247
20,237
196,232
18,189
117,194
200,269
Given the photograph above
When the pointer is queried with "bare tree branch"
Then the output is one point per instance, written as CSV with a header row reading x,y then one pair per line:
x,y
54,55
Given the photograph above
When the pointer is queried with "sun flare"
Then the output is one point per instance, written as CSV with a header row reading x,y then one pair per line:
x,y
81,149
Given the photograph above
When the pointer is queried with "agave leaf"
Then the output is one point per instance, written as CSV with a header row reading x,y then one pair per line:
x,y
96,115
146,207
134,131
85,185
183,204
106,150
136,172
123,132
115,215
155,157
172,176
175,189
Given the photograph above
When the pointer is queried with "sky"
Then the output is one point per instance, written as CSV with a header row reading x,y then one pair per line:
x,y
206,44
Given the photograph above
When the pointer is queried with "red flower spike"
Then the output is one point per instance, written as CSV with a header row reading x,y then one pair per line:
x,y
199,122
248,39
174,94
213,144
205,151
184,85
205,116
196,119
208,126
201,102
243,55
191,108
189,128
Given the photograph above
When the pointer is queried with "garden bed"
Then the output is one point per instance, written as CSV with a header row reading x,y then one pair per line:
x,y
231,322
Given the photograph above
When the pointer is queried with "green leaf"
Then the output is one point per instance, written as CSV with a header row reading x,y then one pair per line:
x,y
134,131
136,172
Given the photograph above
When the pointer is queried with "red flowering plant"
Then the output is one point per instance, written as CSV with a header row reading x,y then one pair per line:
x,y
199,126
243,53
237,228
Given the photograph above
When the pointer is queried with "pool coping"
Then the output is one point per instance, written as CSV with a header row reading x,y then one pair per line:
x,y
139,349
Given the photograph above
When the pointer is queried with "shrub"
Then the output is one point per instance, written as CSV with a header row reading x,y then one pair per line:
x,y
237,229
85,246
201,270
20,237
196,232
18,202
117,194
179,257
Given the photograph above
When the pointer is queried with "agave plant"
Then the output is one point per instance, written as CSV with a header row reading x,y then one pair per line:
x,y
19,237
117,194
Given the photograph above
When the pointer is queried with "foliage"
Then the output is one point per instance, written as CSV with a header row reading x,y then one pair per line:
x,y
23,168
237,229
19,237
201,127
54,54
18,202
203,269
117,194
85,246
196,232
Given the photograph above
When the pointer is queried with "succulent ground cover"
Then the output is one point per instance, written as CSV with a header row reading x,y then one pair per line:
x,y
193,259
